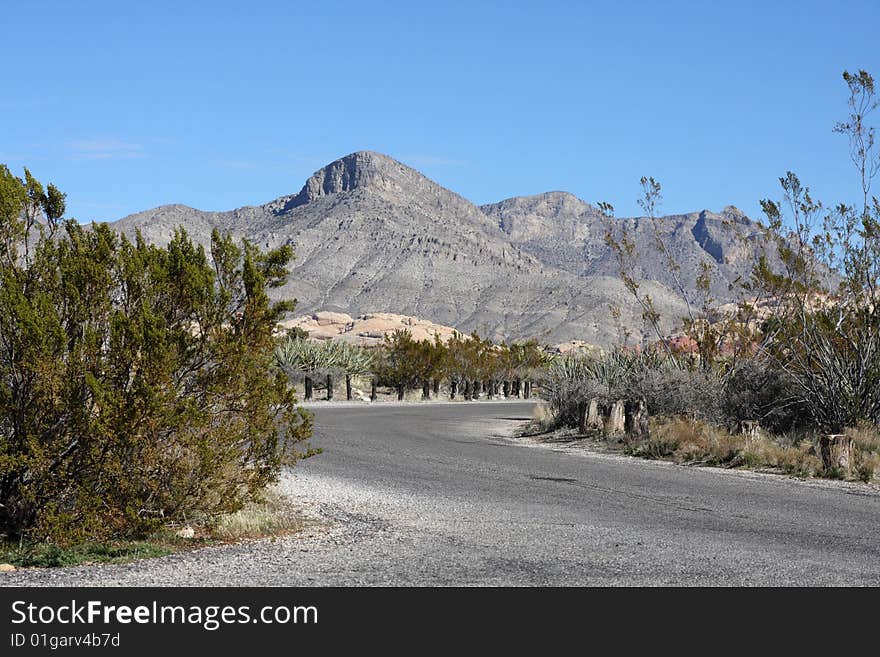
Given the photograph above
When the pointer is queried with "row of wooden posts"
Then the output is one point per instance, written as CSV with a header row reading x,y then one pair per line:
x,y
623,417
469,389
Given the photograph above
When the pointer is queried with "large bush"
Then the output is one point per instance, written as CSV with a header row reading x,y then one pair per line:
x,y
137,383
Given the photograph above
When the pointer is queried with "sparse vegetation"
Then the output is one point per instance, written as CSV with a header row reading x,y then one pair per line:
x,y
49,555
807,366
273,516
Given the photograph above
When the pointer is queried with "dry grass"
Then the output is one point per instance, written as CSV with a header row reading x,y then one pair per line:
x,y
543,421
866,443
273,517
800,460
542,414
696,442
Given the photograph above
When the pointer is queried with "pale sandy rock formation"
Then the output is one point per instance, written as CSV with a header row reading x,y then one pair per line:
x,y
369,329
579,346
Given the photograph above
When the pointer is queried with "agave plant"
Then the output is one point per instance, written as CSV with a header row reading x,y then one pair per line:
x,y
301,356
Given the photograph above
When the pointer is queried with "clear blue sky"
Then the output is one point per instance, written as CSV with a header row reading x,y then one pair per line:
x,y
130,105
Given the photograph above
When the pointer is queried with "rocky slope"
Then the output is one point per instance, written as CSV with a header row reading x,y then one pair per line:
x,y
563,231
372,235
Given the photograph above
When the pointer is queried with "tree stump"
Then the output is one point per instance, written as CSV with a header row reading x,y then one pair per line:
x,y
636,420
615,423
590,419
837,453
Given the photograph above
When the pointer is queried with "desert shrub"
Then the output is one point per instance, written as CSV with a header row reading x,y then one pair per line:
x,y
137,383
404,363
756,391
673,390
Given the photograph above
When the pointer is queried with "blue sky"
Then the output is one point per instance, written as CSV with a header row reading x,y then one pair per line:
x,y
130,105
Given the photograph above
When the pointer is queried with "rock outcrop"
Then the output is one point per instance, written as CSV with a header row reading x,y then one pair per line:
x,y
368,330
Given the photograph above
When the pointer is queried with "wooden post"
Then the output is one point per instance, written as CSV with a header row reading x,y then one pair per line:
x,y
467,389
615,424
308,387
636,420
348,387
329,387
373,389
837,453
400,391
527,389
453,388
505,388
436,387
426,389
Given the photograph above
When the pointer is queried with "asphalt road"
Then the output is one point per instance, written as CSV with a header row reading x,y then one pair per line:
x,y
440,494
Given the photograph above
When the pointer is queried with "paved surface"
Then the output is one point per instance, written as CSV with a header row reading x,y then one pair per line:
x,y
440,494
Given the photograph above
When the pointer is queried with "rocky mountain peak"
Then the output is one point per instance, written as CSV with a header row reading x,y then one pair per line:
x,y
366,171
360,169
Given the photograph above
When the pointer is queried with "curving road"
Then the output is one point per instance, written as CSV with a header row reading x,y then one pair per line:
x,y
440,494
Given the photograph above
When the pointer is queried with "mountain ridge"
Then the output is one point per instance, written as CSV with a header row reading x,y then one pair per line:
x,y
371,235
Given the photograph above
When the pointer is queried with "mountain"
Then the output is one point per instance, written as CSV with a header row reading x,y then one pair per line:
x,y
565,232
373,235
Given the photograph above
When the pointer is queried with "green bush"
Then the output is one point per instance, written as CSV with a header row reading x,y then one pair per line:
x,y
137,383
